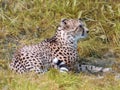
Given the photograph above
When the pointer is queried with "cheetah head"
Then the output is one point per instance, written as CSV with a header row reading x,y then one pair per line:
x,y
74,28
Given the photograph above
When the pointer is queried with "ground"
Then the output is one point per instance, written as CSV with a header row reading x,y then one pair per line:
x,y
26,22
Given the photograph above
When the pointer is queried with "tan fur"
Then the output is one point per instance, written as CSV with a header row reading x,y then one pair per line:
x,y
63,46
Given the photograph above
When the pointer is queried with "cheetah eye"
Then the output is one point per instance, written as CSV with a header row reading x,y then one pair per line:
x,y
80,26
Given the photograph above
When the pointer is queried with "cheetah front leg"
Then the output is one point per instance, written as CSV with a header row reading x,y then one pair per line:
x,y
58,64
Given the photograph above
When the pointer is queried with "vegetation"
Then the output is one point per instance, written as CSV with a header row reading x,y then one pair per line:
x,y
25,22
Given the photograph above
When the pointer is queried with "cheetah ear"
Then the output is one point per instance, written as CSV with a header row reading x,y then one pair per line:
x,y
63,20
62,24
81,19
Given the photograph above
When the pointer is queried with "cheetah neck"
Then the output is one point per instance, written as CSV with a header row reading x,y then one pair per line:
x,y
65,39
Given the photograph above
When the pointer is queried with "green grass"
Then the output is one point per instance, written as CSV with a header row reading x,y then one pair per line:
x,y
31,21
53,80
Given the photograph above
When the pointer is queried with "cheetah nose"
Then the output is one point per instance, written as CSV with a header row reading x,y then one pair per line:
x,y
87,31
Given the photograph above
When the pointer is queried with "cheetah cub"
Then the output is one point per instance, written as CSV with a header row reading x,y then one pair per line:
x,y
59,52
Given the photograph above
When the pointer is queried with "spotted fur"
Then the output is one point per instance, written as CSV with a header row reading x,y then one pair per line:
x,y
60,51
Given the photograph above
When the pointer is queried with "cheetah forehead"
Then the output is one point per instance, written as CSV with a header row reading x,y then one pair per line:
x,y
72,22
68,24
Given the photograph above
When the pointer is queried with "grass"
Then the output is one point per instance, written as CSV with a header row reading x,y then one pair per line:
x,y
26,22
54,80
